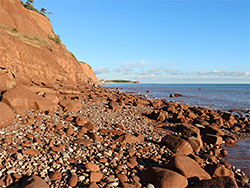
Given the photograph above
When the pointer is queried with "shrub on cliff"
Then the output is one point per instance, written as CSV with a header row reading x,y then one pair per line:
x,y
29,5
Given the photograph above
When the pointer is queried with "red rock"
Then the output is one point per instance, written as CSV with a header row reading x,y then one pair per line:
x,y
31,152
212,139
95,176
212,130
83,142
218,170
80,121
52,97
187,167
34,182
132,162
148,91
7,116
73,180
8,180
21,100
56,176
177,144
222,182
90,126
56,149
95,137
12,151
7,80
93,185
163,178
92,167
158,115
114,107
122,177
70,131
188,130
71,106
127,138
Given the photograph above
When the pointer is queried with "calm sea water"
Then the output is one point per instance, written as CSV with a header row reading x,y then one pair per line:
x,y
217,96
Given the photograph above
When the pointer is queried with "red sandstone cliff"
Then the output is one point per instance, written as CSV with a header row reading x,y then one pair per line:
x,y
29,55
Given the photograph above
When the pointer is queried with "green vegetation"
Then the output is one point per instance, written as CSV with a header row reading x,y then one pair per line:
x,y
15,30
29,5
55,39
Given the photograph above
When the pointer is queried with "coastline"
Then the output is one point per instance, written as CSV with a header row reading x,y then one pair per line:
x,y
122,137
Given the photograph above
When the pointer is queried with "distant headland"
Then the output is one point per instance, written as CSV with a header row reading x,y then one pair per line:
x,y
118,81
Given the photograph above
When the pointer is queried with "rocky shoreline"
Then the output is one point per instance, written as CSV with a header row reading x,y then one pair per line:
x,y
90,136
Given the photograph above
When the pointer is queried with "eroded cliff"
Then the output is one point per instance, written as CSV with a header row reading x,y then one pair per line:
x,y
29,54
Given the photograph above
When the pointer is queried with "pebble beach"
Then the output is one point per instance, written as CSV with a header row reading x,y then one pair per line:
x,y
97,137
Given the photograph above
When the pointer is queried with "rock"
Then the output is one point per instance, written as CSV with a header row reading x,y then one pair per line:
x,y
187,167
90,126
92,167
212,139
81,121
188,130
114,106
52,97
34,182
212,130
163,178
95,176
95,137
177,144
21,100
122,177
7,116
93,185
222,182
175,95
127,138
73,180
148,91
158,115
71,106
31,152
70,131
218,170
7,80
56,176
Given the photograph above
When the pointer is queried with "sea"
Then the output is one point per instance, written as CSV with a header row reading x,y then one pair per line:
x,y
226,97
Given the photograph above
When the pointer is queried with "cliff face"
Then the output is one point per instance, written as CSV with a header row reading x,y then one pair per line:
x,y
27,52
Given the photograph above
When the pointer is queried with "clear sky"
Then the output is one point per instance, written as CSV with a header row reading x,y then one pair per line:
x,y
160,41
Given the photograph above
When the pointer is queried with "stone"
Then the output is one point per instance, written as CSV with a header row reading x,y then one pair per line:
x,y
34,182
70,131
22,100
187,167
81,121
71,106
90,126
56,176
95,176
92,167
32,152
7,80
188,130
212,130
212,139
7,116
163,178
218,170
95,137
127,138
222,182
177,144
73,180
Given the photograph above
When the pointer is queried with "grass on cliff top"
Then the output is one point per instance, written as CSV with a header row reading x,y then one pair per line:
x,y
36,41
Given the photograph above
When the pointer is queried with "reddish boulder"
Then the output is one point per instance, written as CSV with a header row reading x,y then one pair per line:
x,y
188,130
7,116
90,126
71,106
157,115
212,139
163,178
31,152
95,176
21,100
92,167
95,137
218,170
80,121
177,144
34,182
114,106
127,138
212,130
73,180
56,176
187,167
222,182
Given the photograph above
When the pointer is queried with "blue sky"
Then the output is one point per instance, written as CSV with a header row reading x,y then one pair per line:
x,y
162,41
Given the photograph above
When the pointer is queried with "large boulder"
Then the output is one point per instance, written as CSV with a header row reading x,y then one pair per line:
x,y
212,130
177,144
163,178
212,139
187,167
222,182
34,182
218,170
6,115
21,100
